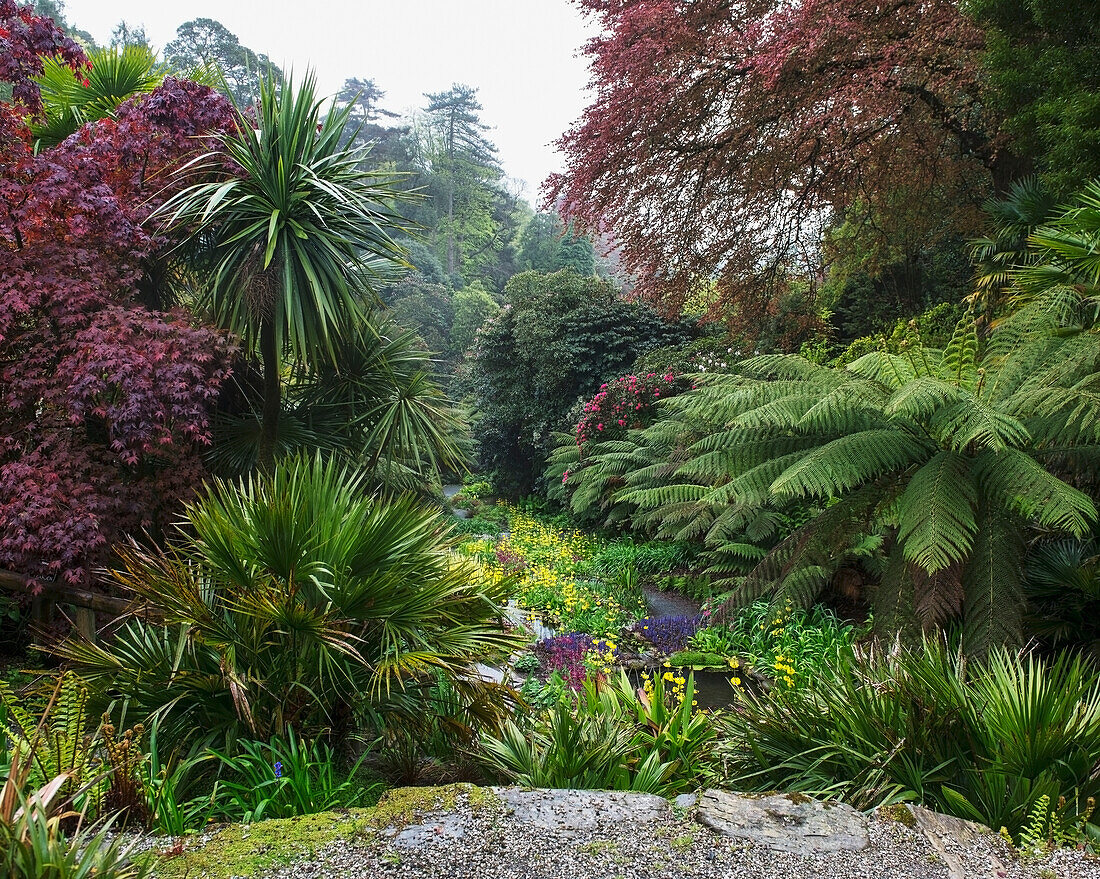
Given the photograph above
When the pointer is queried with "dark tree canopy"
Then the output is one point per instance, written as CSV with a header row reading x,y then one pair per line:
x,y
1045,77
203,42
557,338
723,136
547,245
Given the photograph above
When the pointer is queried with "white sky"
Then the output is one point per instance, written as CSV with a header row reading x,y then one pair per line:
x,y
519,54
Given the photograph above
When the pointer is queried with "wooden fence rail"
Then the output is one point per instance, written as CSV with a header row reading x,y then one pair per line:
x,y
84,603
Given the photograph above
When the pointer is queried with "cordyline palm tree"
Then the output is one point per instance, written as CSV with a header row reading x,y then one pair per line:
x,y
294,599
376,407
947,456
293,234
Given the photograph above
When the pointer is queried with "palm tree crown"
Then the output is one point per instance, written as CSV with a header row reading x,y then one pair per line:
x,y
294,228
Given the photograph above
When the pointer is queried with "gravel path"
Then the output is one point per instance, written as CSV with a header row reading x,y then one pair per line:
x,y
599,840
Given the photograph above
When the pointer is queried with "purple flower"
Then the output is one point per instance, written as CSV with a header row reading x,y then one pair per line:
x,y
668,635
278,769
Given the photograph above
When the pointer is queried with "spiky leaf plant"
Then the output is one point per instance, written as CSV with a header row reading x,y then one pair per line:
x,y
294,599
293,234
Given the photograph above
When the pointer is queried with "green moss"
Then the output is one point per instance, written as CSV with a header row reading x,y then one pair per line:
x,y
698,661
799,799
250,849
406,805
898,812
598,846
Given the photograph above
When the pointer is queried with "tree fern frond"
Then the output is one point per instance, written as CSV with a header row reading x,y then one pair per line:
x,y
993,598
848,462
891,370
920,398
1020,483
936,518
960,358
892,599
971,422
786,367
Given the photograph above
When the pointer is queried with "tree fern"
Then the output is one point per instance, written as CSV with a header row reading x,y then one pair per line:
x,y
942,457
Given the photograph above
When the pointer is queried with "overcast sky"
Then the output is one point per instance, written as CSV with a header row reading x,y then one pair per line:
x,y
520,54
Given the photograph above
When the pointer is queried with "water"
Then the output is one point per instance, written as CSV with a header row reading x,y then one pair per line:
x,y
663,603
713,689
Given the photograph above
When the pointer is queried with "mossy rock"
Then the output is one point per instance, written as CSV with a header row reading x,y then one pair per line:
x,y
251,849
699,661
899,813
408,805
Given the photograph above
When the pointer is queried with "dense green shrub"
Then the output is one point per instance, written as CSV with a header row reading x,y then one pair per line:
x,y
609,736
983,742
282,778
294,599
558,337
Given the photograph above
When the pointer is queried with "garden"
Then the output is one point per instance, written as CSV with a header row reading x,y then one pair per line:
x,y
717,522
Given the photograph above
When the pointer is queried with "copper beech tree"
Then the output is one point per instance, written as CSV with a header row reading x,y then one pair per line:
x,y
104,395
724,136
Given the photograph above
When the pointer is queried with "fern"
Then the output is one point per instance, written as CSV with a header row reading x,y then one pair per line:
x,y
895,461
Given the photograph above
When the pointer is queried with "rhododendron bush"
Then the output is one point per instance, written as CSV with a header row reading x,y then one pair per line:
x,y
625,403
104,395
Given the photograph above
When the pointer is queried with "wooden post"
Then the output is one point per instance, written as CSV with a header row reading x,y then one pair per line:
x,y
84,604
84,620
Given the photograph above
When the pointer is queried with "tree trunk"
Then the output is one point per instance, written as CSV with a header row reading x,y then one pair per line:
x,y
451,260
269,426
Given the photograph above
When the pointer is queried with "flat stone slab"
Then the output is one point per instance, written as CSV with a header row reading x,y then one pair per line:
x,y
561,813
573,812
785,822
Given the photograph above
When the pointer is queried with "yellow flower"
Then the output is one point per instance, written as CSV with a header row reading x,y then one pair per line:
x,y
736,682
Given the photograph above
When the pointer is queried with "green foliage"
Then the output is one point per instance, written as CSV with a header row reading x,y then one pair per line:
x,y
1047,828
282,778
789,644
868,293
545,245
35,847
982,742
647,557
203,43
175,805
920,469
1062,587
1013,217
34,842
59,744
292,234
473,307
562,336
114,77
932,328
609,737
294,599
1042,77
